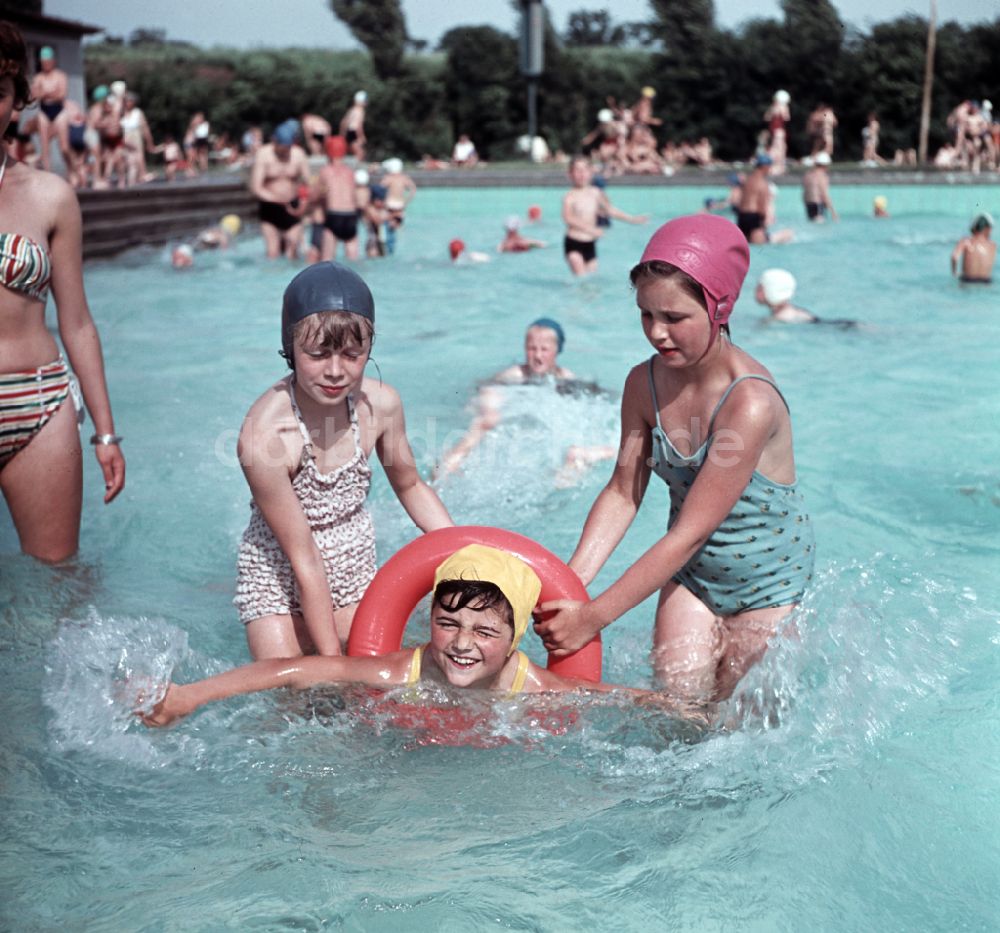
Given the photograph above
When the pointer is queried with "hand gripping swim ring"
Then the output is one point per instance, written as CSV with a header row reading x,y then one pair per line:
x,y
408,576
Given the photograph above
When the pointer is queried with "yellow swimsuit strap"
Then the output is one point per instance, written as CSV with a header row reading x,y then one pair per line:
x,y
414,674
517,684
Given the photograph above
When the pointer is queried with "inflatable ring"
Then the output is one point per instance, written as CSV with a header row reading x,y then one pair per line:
x,y
408,576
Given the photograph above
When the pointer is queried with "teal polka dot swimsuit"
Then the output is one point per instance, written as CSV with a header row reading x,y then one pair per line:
x,y
763,553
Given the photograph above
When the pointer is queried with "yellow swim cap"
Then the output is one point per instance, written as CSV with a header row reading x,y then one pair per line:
x,y
511,575
648,91
231,223
881,202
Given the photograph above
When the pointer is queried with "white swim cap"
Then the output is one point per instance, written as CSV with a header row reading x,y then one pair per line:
x,y
605,116
118,89
782,97
513,222
524,143
822,158
393,165
778,285
361,176
361,97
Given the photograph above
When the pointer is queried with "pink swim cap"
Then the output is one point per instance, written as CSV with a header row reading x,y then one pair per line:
x,y
455,248
710,249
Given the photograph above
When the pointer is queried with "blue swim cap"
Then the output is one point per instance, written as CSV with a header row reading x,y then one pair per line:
x,y
287,133
599,181
764,159
379,192
323,286
99,93
551,325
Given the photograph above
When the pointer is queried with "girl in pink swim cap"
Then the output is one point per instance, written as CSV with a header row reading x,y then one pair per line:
x,y
708,419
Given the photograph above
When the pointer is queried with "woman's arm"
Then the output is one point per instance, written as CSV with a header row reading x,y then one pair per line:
x,y
393,448
265,461
78,331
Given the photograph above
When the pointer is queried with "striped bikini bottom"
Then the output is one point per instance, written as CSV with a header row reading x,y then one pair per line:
x,y
28,399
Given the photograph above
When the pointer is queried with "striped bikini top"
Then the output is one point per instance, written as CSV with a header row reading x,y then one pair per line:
x,y
25,266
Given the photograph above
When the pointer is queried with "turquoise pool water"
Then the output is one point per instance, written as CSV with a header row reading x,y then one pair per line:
x,y
856,785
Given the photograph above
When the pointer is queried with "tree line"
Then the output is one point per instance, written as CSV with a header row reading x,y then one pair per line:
x,y
710,81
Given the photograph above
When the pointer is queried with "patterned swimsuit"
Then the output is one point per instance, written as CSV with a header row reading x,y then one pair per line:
x,y
334,506
762,554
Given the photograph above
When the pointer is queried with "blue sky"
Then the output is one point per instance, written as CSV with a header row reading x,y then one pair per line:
x,y
248,23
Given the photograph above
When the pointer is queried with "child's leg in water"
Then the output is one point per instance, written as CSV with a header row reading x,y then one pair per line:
x,y
286,636
687,644
746,637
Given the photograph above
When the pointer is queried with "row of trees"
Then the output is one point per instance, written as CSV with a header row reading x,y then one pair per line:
x,y
710,81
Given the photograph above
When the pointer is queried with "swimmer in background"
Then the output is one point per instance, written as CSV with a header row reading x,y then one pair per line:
x,y
375,220
278,169
880,206
731,201
222,234
49,87
461,256
975,254
543,342
776,289
514,241
399,192
583,206
481,609
816,190
337,191
352,125
308,553
756,206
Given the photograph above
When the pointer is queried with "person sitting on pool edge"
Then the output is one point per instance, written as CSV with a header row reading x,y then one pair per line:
x,y
482,605
977,253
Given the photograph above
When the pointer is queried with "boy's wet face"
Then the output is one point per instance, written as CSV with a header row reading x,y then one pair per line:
x,y
469,646
580,173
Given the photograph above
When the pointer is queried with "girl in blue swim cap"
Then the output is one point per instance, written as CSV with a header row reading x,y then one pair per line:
x,y
308,554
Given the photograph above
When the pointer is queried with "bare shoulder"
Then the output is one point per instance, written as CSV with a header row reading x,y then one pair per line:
x,y
512,375
270,412
377,399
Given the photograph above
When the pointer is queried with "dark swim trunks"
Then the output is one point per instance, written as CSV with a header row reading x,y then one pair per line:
x,y
316,237
342,224
270,212
814,210
748,221
974,280
587,250
51,110
77,139
350,136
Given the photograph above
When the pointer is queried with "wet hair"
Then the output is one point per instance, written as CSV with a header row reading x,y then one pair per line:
x,y
14,62
658,269
333,330
478,595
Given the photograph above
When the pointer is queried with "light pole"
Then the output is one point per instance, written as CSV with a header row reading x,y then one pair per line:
x,y
532,58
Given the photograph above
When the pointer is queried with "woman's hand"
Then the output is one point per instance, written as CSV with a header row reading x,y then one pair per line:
x,y
573,625
112,462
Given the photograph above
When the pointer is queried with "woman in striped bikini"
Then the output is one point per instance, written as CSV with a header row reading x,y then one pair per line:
x,y
41,462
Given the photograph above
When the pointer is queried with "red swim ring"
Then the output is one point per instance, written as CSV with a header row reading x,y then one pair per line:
x,y
408,576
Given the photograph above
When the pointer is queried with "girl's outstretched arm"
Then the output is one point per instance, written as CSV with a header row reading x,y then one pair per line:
x,y
421,502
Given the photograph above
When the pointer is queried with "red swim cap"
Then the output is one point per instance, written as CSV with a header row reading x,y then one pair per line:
x,y
455,247
336,147
534,212
710,249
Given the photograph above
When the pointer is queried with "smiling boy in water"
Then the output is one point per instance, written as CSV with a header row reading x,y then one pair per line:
x,y
977,253
483,599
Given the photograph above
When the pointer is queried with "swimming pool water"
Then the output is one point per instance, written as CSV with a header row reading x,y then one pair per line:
x,y
855,785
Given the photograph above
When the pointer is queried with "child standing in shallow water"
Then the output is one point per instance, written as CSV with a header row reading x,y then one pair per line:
x,y
308,553
709,420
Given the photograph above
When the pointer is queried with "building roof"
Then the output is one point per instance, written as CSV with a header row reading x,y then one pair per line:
x,y
52,24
